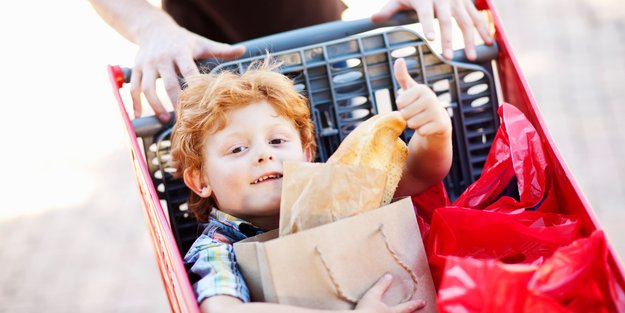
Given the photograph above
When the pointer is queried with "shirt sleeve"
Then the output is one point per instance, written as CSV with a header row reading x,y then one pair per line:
x,y
214,263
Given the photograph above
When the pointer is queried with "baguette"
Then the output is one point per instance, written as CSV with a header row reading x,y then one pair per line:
x,y
375,143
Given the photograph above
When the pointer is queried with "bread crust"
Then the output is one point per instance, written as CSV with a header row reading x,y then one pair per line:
x,y
375,143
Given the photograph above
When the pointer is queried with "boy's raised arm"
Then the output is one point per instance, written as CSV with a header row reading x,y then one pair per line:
x,y
370,302
430,148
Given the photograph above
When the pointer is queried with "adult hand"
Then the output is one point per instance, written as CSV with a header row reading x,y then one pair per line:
x,y
164,52
467,17
371,301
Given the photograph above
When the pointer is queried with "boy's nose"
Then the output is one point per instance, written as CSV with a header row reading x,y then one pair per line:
x,y
264,157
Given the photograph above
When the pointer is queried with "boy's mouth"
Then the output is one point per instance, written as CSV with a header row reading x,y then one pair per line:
x,y
266,177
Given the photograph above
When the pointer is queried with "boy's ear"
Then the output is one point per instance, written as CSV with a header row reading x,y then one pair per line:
x,y
193,179
308,152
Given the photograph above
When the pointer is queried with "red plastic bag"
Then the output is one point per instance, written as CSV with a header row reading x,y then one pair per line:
x,y
431,199
516,158
526,237
513,177
576,278
425,203
489,252
471,285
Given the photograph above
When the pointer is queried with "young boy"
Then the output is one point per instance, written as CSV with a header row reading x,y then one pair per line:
x,y
231,136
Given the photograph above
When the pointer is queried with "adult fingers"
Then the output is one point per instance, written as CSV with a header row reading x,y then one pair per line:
x,y
214,49
391,7
466,25
186,66
409,307
380,287
479,22
148,87
425,11
171,84
402,76
135,90
443,13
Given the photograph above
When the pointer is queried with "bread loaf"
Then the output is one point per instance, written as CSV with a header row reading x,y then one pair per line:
x,y
375,143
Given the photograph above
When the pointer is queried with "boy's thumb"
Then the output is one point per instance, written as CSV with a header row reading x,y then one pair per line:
x,y
402,76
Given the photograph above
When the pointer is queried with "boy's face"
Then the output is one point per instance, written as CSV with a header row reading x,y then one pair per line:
x,y
243,162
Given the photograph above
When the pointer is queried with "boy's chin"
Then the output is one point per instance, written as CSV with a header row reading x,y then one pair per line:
x,y
267,208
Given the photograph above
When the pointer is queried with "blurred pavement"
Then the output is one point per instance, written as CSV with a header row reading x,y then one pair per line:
x,y
72,234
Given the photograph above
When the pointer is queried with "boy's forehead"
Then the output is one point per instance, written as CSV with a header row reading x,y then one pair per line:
x,y
237,129
255,113
251,116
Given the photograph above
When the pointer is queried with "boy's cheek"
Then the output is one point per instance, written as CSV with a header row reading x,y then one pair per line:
x,y
294,153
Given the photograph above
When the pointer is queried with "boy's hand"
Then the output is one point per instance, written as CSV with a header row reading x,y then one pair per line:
x,y
419,105
372,299
430,150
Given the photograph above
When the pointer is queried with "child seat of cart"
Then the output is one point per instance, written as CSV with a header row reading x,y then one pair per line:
x,y
346,73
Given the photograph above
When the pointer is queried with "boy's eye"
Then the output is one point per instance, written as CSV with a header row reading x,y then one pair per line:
x,y
237,150
276,141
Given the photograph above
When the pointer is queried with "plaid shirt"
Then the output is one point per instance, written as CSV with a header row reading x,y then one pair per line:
x,y
210,262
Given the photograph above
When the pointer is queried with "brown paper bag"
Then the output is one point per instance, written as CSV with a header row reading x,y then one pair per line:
x,y
333,265
314,194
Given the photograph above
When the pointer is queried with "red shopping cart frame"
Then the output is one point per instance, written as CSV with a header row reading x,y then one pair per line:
x,y
174,276
514,90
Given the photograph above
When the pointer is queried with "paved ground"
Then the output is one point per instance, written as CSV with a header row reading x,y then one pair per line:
x,y
572,54
72,235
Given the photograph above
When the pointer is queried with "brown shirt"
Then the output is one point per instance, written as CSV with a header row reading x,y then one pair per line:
x,y
233,21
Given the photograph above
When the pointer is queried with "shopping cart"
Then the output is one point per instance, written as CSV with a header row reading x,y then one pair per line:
x,y
345,70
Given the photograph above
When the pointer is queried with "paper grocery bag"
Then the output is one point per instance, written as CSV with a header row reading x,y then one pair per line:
x,y
333,265
314,194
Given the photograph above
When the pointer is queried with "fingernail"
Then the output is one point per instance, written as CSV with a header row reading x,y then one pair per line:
x,y
448,54
471,55
430,35
164,117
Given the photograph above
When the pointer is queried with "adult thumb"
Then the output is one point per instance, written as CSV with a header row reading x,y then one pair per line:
x,y
213,49
402,76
